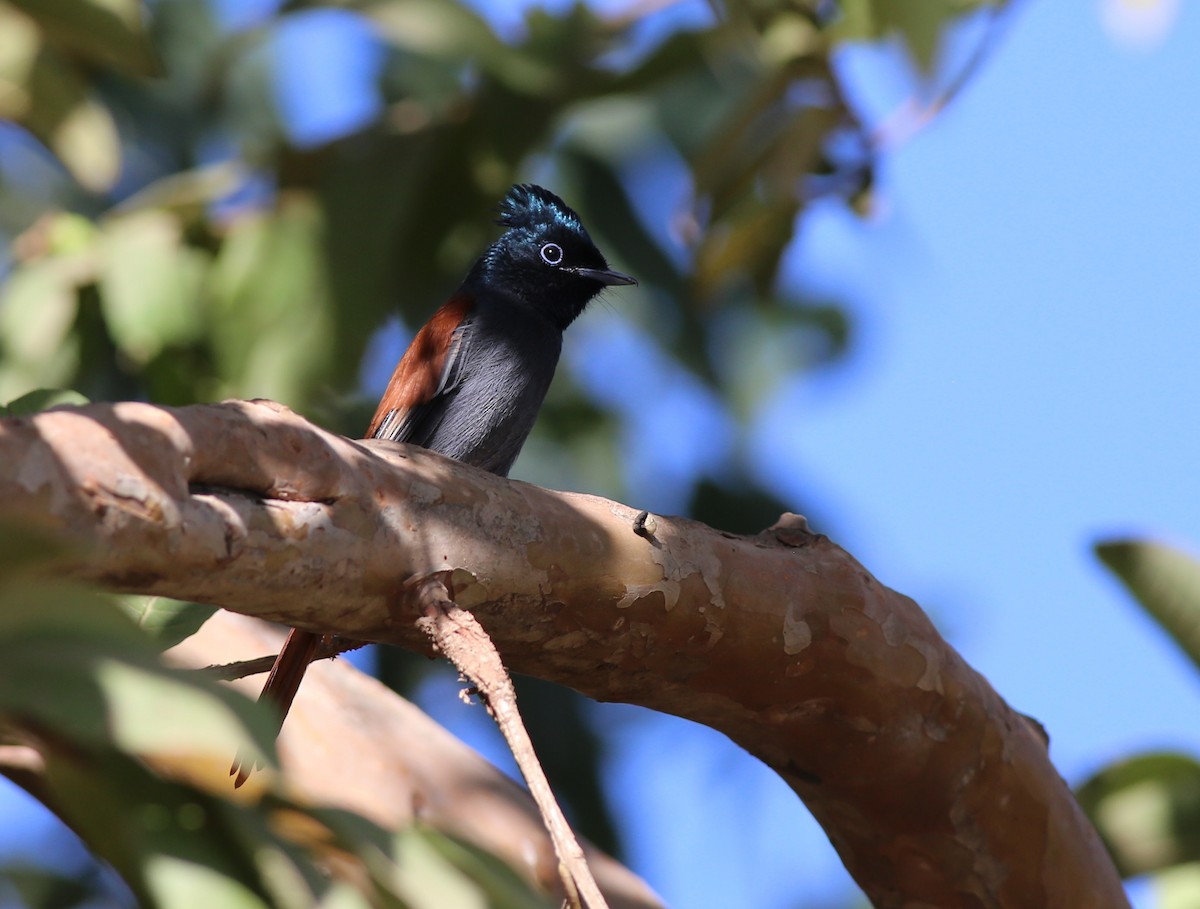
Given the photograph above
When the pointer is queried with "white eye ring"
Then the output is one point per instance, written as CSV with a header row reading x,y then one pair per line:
x,y
552,254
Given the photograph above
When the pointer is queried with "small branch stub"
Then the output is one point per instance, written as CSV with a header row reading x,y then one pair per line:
x,y
644,525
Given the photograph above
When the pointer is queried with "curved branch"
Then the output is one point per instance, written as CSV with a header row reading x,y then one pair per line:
x,y
932,789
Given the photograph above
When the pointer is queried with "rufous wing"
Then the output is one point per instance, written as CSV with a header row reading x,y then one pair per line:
x,y
423,373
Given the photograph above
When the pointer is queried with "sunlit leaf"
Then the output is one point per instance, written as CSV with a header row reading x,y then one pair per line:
x,y
150,284
1166,583
187,194
167,621
430,881
77,666
427,868
856,20
272,326
1178,887
20,43
38,307
63,114
1147,809
86,141
341,895
502,888
182,881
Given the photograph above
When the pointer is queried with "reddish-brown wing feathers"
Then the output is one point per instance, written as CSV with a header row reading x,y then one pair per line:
x,y
419,372
416,379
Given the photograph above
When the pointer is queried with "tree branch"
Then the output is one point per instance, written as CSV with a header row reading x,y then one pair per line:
x,y
930,787
455,633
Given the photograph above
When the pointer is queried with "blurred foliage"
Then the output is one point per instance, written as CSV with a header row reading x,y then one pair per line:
x,y
182,231
1147,807
166,621
47,889
87,688
1165,581
197,248
40,399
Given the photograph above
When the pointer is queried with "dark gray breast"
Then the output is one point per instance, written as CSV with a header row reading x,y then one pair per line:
x,y
501,378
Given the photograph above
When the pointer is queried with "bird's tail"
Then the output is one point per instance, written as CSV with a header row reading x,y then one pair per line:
x,y
281,687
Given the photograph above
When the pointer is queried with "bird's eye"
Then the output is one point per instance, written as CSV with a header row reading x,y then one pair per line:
x,y
552,254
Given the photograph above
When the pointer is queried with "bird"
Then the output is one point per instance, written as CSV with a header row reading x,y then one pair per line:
x,y
473,379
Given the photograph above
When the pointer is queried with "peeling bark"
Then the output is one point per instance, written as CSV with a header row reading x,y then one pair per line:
x,y
932,789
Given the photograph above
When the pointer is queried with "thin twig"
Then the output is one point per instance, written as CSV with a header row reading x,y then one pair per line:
x,y
228,672
456,634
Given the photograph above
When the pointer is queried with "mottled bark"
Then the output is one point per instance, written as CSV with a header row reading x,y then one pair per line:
x,y
932,789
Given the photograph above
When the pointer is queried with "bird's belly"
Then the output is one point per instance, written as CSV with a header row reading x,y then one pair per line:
x,y
489,417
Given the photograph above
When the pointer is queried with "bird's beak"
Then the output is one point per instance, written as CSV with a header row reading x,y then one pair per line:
x,y
605,276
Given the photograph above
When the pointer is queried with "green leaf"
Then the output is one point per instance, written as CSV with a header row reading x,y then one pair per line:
x,y
341,895
41,399
1147,809
272,331
496,880
430,881
180,881
157,711
187,194
48,889
38,306
150,284
921,24
170,842
748,244
1166,583
455,32
25,550
72,124
19,46
428,869
167,621
76,666
1178,887
856,21
84,137
102,31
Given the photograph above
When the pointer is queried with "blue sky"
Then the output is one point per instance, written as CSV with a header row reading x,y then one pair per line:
x,y
1027,376
1024,380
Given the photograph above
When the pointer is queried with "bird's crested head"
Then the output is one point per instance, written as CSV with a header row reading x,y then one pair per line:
x,y
545,258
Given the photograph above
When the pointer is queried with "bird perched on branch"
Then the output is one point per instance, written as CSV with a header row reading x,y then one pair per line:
x,y
473,379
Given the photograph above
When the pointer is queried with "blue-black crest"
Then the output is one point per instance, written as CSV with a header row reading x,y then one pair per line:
x,y
544,261
530,206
